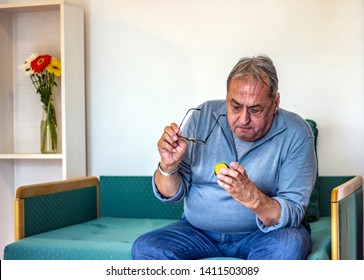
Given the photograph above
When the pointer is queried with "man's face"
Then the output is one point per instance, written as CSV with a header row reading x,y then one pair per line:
x,y
250,110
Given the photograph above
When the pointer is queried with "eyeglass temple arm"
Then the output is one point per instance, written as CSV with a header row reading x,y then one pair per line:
x,y
217,120
195,109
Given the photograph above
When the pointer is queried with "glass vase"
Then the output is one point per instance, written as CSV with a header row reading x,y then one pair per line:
x,y
48,134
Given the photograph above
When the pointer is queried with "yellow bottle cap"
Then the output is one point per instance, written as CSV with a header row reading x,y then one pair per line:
x,y
219,166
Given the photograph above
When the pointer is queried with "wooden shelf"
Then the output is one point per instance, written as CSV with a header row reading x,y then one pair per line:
x,y
39,6
56,28
31,156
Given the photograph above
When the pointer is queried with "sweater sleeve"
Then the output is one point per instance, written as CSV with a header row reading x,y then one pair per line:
x,y
174,199
296,180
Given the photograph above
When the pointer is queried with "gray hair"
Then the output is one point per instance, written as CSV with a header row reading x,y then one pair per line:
x,y
259,67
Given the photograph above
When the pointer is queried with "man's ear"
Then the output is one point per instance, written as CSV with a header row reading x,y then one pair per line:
x,y
277,100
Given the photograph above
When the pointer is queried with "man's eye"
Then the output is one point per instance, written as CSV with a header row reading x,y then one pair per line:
x,y
254,111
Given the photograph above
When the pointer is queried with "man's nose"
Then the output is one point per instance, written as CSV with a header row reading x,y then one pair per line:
x,y
244,117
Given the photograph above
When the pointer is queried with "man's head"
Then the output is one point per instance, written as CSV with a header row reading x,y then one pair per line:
x,y
252,97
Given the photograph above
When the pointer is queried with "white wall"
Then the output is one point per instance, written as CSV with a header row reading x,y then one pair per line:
x,y
148,61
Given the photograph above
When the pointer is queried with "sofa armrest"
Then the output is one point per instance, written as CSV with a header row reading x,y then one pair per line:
x,y
52,205
347,220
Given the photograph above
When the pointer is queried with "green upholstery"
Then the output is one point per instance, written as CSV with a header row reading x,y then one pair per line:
x,y
351,229
321,228
106,238
327,183
47,212
119,194
321,239
128,209
312,212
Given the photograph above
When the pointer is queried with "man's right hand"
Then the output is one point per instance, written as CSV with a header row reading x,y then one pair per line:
x,y
171,148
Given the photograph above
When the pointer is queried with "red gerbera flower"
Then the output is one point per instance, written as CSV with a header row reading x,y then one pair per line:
x,y
40,63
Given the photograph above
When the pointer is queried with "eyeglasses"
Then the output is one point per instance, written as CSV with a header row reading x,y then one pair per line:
x,y
193,139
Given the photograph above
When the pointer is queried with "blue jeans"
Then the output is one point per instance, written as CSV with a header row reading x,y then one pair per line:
x,y
182,241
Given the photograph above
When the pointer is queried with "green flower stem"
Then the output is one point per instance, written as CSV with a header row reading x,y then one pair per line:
x,y
44,83
51,124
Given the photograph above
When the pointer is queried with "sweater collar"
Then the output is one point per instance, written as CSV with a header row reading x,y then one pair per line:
x,y
277,127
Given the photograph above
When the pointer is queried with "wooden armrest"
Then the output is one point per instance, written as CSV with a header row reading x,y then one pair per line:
x,y
36,192
347,220
55,186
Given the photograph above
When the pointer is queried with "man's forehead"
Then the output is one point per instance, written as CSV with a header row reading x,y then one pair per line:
x,y
248,89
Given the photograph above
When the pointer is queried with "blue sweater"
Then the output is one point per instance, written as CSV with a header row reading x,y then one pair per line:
x,y
282,164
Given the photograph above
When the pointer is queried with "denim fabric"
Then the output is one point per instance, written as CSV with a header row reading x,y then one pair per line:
x,y
182,241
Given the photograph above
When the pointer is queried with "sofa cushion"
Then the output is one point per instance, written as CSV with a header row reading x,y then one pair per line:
x,y
104,238
133,197
109,238
321,239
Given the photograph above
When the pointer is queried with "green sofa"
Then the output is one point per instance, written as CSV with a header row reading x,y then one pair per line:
x,y
99,218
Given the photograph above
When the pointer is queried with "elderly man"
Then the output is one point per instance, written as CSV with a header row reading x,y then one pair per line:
x,y
252,209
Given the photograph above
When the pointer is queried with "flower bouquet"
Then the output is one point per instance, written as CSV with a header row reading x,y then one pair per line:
x,y
42,70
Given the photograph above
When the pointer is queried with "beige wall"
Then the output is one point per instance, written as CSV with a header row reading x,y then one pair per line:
x,y
148,61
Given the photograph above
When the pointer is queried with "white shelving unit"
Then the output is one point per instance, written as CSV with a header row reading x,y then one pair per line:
x,y
56,28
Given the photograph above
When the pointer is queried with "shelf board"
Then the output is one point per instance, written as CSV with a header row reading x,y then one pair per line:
x,y
37,6
31,156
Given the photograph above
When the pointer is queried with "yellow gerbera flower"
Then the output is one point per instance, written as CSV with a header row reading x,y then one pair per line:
x,y
54,67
